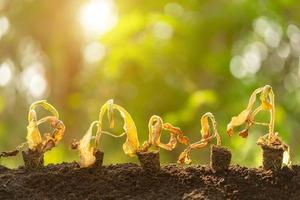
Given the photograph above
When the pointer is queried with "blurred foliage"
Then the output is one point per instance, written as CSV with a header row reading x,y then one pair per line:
x,y
176,59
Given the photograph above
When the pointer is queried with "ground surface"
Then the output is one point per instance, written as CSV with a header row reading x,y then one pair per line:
x,y
129,181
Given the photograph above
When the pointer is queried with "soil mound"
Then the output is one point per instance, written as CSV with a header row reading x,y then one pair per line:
x,y
130,181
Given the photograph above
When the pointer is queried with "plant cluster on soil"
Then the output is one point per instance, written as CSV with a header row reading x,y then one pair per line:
x,y
89,179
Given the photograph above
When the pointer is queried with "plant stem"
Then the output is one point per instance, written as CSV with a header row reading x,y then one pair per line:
x,y
214,123
272,117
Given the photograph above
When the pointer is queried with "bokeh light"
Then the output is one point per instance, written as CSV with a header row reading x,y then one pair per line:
x,y
6,73
98,16
94,52
4,26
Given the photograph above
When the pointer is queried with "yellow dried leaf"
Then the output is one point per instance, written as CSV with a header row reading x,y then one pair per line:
x,y
184,158
183,139
59,129
155,127
248,115
230,131
245,115
205,133
33,137
176,131
264,98
244,133
131,144
172,129
206,138
110,113
240,119
58,125
86,151
46,106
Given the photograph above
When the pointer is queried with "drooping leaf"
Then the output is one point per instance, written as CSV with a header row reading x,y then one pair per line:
x,y
33,137
240,119
205,133
86,151
46,106
244,133
110,113
205,140
131,144
184,158
176,131
183,139
155,127
264,98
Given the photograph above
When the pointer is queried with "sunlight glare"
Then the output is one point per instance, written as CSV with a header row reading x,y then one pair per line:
x,y
98,17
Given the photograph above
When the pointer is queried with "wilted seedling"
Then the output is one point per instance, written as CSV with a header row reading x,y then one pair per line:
x,y
271,144
37,145
88,153
131,146
156,128
149,152
220,156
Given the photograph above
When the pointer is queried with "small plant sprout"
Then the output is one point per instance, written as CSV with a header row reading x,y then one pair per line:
x,y
220,156
87,151
131,145
37,144
92,155
272,146
149,152
156,127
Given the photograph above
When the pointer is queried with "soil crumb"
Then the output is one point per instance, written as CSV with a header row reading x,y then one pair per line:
x,y
130,181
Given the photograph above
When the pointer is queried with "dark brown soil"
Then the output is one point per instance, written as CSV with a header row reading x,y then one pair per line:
x,y
33,159
130,181
149,160
99,158
220,158
272,157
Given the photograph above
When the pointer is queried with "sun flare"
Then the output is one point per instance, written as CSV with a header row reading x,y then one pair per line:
x,y
98,16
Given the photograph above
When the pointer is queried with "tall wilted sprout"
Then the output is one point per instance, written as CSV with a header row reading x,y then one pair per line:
x,y
38,144
34,138
87,157
149,152
130,146
220,157
206,138
272,145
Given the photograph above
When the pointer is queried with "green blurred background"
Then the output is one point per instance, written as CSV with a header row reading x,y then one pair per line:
x,y
176,59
